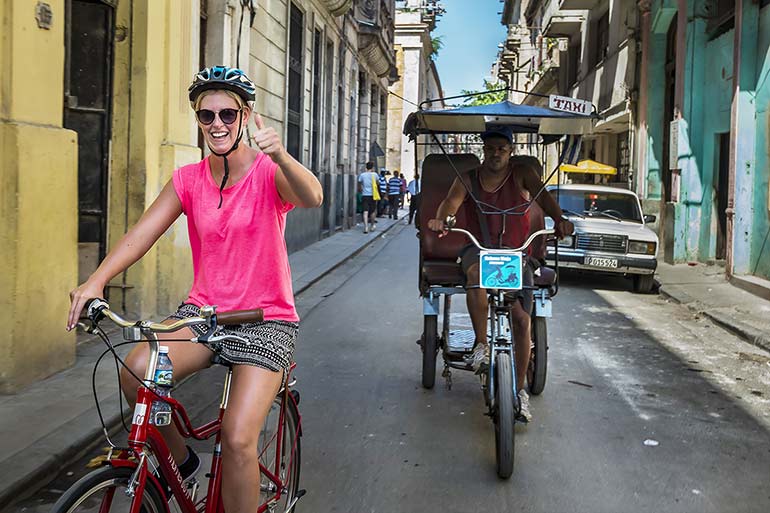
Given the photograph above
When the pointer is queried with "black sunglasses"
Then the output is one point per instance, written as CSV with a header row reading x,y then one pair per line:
x,y
228,116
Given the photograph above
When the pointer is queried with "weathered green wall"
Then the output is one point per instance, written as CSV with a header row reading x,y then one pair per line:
x,y
759,261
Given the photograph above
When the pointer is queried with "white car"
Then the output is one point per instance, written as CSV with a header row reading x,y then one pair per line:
x,y
611,233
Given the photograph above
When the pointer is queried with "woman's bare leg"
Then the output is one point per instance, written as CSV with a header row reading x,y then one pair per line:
x,y
251,395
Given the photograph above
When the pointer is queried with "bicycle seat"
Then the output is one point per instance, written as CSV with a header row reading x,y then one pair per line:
x,y
545,277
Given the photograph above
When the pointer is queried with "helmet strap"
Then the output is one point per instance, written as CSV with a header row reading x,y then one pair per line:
x,y
224,157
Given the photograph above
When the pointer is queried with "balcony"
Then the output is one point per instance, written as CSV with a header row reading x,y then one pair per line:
x,y
563,24
578,4
338,7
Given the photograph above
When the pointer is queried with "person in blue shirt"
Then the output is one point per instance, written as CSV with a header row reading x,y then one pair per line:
x,y
394,194
383,205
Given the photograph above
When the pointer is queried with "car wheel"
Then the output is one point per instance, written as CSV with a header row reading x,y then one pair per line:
x,y
643,283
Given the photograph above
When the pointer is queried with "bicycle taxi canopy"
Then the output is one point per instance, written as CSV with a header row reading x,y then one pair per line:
x,y
562,117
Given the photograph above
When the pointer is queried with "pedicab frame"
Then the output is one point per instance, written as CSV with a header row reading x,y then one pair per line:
x,y
564,117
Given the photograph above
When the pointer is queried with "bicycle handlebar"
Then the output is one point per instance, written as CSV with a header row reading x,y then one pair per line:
x,y
450,222
98,308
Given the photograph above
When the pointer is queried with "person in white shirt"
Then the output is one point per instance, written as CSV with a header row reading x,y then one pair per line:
x,y
414,188
367,182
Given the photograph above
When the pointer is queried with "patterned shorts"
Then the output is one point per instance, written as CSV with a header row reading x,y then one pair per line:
x,y
270,343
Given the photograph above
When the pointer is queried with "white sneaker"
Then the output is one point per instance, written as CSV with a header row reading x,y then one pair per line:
x,y
525,414
479,358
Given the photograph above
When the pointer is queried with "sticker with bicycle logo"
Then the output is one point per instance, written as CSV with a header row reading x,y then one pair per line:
x,y
500,270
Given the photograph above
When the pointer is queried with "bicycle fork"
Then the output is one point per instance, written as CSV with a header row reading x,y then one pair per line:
x,y
501,341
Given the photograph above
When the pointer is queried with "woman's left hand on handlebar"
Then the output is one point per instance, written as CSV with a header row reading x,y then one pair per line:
x,y
78,299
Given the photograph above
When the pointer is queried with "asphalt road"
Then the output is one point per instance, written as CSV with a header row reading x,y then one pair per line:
x,y
646,408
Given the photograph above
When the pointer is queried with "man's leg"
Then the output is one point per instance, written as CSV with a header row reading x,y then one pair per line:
x,y
478,305
522,336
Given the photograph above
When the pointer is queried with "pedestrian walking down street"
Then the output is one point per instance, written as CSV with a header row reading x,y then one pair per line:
x,y
394,195
369,187
414,189
382,206
403,190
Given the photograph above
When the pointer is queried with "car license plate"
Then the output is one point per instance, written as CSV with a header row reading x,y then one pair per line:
x,y
500,270
607,263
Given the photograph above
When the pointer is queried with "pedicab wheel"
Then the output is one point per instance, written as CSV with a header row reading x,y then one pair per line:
x,y
538,361
429,349
105,490
504,415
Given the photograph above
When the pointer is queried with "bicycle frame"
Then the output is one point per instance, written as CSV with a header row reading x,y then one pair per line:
x,y
145,435
145,439
499,321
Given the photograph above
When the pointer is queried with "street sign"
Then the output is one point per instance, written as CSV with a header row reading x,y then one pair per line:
x,y
571,105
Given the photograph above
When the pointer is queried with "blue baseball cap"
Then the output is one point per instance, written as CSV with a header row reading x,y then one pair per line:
x,y
498,131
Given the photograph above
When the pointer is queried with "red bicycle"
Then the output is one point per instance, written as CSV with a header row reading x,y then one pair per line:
x,y
129,480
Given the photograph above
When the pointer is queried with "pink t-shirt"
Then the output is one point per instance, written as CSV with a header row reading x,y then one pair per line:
x,y
239,252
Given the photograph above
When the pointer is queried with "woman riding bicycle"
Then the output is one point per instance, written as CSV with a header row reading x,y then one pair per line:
x,y
235,201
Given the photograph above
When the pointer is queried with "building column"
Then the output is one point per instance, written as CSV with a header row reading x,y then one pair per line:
x,y
640,143
742,139
374,123
411,81
162,58
38,197
364,120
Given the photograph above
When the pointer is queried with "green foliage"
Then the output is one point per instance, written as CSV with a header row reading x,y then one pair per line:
x,y
437,43
487,97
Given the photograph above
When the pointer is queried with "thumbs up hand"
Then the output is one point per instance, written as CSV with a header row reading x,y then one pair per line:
x,y
267,140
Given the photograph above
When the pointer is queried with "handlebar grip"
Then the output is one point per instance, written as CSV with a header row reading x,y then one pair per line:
x,y
240,316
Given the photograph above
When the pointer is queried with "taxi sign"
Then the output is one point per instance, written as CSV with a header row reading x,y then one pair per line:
x,y
571,105
500,270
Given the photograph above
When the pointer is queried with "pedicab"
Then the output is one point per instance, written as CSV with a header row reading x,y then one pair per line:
x,y
563,122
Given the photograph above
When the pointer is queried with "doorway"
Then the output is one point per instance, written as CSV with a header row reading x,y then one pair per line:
x,y
89,32
721,184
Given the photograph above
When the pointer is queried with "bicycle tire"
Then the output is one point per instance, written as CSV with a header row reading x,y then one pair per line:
x,y
429,350
267,451
504,415
83,493
538,363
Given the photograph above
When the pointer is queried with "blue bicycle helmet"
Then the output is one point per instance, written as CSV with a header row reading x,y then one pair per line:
x,y
222,77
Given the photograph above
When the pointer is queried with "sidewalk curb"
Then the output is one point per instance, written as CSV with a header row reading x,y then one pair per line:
x,y
747,333
48,463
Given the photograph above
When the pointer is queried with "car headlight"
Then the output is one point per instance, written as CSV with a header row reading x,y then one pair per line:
x,y
642,248
566,242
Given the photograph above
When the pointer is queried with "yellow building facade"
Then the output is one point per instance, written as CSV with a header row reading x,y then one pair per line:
x,y
48,111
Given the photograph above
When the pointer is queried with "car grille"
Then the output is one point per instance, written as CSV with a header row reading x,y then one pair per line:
x,y
602,242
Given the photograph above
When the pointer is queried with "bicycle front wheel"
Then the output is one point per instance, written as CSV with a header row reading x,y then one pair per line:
x,y
504,415
104,491
538,360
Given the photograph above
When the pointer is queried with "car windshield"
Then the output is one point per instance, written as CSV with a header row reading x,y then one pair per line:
x,y
608,205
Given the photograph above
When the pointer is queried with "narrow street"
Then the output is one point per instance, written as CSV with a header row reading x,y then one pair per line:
x,y
646,408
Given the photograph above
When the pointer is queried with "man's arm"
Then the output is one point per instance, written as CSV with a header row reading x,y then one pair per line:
x,y
448,207
550,206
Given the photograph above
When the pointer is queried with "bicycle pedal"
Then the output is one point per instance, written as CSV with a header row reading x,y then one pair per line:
x,y
301,493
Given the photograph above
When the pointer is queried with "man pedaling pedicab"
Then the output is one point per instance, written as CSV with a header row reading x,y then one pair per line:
x,y
504,183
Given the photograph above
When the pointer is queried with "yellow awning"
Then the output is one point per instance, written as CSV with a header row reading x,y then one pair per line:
x,y
589,166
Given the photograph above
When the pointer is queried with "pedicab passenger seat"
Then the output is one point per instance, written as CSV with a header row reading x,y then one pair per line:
x,y
438,257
